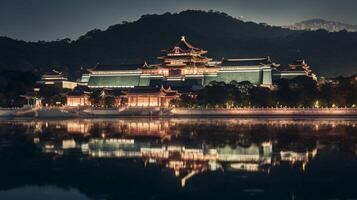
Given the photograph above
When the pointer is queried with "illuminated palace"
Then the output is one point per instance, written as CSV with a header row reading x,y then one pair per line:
x,y
186,65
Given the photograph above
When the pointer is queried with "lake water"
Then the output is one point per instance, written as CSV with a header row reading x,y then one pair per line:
x,y
215,158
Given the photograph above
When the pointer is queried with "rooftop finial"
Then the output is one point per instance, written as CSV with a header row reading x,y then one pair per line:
x,y
183,39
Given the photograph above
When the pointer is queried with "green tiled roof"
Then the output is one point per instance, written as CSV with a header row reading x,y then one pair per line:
x,y
144,82
113,81
85,78
252,150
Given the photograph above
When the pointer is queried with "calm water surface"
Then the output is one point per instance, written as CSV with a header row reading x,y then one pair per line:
x,y
178,159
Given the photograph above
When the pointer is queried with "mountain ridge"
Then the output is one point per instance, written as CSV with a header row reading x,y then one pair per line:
x,y
316,24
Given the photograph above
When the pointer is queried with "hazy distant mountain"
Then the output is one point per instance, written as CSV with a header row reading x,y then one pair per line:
x,y
316,24
329,54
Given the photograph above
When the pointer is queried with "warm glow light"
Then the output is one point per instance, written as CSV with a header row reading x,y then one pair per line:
x,y
317,104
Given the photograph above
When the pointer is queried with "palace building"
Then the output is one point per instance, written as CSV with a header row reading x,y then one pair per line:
x,y
78,97
186,65
297,68
151,97
55,77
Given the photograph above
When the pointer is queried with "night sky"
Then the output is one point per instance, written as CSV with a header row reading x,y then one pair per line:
x,y
56,19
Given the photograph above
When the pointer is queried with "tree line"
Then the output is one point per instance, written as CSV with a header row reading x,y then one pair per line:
x,y
297,92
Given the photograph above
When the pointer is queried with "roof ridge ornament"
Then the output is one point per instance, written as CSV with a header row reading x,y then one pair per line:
x,y
183,38
145,65
269,59
57,72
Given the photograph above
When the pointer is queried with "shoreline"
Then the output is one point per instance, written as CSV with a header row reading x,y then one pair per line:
x,y
93,113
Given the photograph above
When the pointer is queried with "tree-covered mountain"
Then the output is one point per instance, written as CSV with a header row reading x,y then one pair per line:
x,y
329,54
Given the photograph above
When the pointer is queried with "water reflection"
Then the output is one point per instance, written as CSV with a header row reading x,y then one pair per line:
x,y
189,148
42,193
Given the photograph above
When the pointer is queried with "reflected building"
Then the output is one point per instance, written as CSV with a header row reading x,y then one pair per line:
x,y
78,127
239,158
188,147
294,157
172,126
185,160
188,160
165,143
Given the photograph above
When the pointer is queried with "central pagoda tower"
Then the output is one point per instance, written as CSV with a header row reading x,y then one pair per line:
x,y
183,54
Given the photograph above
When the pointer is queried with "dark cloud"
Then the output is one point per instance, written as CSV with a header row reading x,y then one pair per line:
x,y
54,19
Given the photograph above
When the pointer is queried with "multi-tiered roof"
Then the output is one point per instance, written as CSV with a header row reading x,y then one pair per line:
x,y
184,54
300,65
53,75
297,66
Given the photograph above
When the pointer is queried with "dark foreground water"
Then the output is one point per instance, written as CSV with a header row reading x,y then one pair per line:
x,y
178,159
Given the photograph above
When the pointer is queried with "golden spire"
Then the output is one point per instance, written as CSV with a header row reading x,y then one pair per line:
x,y
183,39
